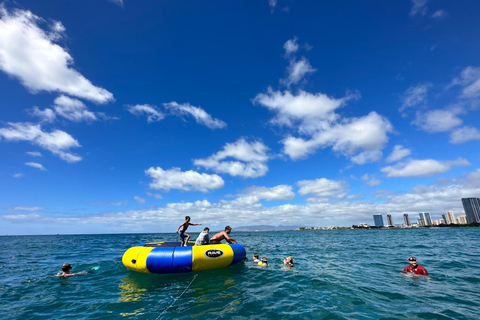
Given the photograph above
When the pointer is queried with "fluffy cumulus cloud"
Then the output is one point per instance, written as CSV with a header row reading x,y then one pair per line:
x,y
152,112
323,188
358,138
30,54
398,153
73,109
291,46
439,120
187,181
58,142
241,158
47,115
199,114
415,96
464,134
423,168
36,165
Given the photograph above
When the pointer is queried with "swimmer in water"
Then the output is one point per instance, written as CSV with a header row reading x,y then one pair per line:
x,y
414,267
288,261
256,258
66,271
264,262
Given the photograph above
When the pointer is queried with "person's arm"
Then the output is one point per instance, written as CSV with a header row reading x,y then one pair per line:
x,y
195,224
405,270
229,240
424,271
180,227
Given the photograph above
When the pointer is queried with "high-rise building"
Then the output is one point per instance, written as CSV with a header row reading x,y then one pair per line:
x,y
406,219
389,220
451,218
425,219
444,218
462,220
378,220
472,209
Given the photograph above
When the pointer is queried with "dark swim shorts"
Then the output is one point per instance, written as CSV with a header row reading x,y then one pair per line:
x,y
182,235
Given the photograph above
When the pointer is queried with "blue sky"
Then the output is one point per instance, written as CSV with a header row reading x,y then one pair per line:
x,y
126,116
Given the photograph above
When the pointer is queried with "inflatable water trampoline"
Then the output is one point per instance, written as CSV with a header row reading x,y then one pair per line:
x,y
169,257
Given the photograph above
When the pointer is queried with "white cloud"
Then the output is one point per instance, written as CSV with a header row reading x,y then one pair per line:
x,y
419,7
398,153
26,208
367,157
28,53
291,46
414,96
47,115
297,70
249,159
371,180
35,165
155,195
464,134
351,138
255,194
18,175
73,109
139,200
423,168
439,120
470,80
34,153
58,142
323,188
302,107
439,14
325,212
187,181
199,114
152,112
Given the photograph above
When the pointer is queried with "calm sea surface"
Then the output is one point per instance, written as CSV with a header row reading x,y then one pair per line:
x,y
345,274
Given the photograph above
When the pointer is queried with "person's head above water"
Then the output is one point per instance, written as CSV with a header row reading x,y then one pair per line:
x,y
66,267
256,256
412,261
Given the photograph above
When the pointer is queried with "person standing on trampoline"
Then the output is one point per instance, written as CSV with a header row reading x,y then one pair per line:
x,y
183,227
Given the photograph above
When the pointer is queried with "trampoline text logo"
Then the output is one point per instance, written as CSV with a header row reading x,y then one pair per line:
x,y
213,253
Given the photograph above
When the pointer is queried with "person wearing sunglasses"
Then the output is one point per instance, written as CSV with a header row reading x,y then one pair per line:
x,y
414,267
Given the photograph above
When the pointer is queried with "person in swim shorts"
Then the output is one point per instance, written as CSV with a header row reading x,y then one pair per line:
x,y
183,227
414,267
216,239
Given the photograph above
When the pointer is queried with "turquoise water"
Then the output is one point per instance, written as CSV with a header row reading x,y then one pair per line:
x,y
345,274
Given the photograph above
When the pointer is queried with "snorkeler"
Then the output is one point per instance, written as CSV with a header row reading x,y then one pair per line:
x,y
414,267
264,262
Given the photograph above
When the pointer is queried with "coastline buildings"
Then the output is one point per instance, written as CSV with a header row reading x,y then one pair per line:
x,y
378,220
389,220
424,219
472,209
451,218
406,219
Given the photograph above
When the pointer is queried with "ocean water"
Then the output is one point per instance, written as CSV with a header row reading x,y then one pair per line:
x,y
344,274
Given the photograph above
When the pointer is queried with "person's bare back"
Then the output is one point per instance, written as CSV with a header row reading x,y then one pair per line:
x,y
223,235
